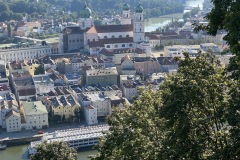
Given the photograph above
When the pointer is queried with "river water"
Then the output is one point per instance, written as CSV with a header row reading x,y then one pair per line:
x,y
151,24
19,152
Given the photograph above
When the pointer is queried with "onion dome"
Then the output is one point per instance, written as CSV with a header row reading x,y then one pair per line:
x,y
139,9
86,12
126,7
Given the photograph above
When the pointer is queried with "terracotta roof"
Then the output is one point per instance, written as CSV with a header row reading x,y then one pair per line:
x,y
114,28
152,36
92,30
102,42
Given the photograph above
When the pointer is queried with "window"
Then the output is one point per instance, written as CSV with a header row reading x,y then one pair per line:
x,y
130,45
113,36
127,36
105,37
123,45
120,36
116,46
108,46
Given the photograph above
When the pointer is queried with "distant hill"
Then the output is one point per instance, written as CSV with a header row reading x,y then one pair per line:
x,y
16,9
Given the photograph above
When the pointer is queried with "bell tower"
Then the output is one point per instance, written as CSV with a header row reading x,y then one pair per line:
x,y
138,25
126,18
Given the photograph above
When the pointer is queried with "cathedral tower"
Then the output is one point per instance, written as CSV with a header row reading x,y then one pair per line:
x,y
85,20
138,25
126,18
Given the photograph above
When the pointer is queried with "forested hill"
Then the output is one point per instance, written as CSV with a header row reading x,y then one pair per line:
x,y
16,9
152,8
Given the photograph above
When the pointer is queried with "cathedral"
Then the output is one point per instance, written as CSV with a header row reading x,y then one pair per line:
x,y
126,36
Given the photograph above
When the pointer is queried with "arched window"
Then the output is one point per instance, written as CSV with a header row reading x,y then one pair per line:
x,y
116,46
127,36
123,45
113,36
120,36
108,46
105,37
130,45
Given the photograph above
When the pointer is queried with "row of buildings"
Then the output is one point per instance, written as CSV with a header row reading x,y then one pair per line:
x,y
89,73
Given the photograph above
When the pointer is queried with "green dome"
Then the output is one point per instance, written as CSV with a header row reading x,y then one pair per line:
x,y
126,7
85,13
139,9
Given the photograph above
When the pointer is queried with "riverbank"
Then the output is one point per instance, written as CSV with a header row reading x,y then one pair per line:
x,y
151,24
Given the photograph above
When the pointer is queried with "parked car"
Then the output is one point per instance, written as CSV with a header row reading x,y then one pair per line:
x,y
40,132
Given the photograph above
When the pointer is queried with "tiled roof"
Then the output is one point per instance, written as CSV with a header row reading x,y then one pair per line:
x,y
143,59
114,28
73,30
172,37
111,52
27,92
152,36
167,61
102,42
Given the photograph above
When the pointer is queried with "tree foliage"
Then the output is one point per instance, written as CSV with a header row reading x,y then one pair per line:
x,y
194,115
39,70
225,16
194,104
134,132
54,151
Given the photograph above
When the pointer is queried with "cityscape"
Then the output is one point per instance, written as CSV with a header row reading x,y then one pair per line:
x,y
83,77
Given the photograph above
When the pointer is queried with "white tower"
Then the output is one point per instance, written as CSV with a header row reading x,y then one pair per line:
x,y
138,25
126,18
85,20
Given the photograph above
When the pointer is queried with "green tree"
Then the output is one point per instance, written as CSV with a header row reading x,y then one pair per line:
x,y
194,104
185,119
134,132
225,16
3,7
9,28
39,70
54,151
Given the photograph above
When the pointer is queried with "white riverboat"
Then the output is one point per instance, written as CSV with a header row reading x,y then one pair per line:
x,y
76,138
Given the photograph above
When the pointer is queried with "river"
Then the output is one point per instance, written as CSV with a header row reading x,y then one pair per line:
x,y
19,152
151,24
